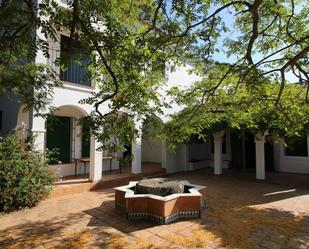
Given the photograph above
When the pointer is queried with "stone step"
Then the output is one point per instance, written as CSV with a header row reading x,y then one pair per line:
x,y
70,188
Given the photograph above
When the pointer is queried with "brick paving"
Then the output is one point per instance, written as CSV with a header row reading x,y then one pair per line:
x,y
240,213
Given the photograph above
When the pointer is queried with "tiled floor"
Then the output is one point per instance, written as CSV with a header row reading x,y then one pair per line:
x,y
241,213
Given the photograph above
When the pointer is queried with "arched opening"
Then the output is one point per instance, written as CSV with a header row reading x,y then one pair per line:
x,y
68,140
151,145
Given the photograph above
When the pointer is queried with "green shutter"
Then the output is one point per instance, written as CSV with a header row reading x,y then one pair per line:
x,y
86,141
59,137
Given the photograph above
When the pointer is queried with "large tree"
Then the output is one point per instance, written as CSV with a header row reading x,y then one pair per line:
x,y
266,40
237,107
264,43
265,35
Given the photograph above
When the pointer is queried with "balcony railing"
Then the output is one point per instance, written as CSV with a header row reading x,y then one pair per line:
x,y
75,69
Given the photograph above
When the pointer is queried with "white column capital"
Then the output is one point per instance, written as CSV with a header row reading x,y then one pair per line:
x,y
218,136
138,123
260,136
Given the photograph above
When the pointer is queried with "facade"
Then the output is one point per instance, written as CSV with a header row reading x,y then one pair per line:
x,y
223,149
63,132
242,151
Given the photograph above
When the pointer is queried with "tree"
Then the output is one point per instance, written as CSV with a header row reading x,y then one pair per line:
x,y
209,107
24,176
33,83
267,38
114,35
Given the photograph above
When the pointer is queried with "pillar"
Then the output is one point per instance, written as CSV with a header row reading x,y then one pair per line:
x,y
95,169
218,138
260,156
38,131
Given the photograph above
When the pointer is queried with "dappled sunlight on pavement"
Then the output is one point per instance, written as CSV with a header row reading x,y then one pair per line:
x,y
239,214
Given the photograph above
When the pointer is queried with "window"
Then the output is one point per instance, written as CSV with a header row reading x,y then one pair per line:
x,y
75,61
297,146
58,138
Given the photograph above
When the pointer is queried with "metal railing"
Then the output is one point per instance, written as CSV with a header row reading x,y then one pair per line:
x,y
75,69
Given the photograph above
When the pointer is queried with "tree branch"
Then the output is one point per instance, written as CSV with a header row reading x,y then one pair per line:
x,y
254,10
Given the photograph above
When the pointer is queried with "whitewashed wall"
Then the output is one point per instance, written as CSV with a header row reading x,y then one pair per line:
x,y
180,77
152,151
293,164
176,161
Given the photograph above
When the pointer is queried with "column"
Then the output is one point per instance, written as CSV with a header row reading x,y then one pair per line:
x,y
38,131
137,154
260,156
95,169
218,138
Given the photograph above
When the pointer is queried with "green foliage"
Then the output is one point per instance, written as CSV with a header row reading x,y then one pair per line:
x,y
127,41
125,61
253,107
32,82
24,176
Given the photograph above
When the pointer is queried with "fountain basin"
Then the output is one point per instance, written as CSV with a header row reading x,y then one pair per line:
x,y
161,209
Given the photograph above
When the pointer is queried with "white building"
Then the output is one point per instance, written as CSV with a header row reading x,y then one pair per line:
x,y
63,131
223,149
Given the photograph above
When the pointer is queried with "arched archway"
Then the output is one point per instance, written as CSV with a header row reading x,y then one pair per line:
x,y
70,111
65,136
152,147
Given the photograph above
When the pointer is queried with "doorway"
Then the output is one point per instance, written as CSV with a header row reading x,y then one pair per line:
x,y
58,138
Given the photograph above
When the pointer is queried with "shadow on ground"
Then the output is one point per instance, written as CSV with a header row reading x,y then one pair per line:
x,y
71,231
240,214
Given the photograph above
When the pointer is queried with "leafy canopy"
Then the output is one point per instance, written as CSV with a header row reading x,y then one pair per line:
x,y
266,40
213,107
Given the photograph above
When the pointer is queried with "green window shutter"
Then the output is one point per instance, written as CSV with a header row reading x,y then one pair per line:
x,y
86,141
59,137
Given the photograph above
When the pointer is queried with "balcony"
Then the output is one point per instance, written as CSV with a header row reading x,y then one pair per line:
x,y
75,61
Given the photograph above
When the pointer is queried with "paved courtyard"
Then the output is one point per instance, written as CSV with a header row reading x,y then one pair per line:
x,y
240,213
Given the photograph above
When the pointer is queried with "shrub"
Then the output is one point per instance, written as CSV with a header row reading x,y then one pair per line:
x,y
24,175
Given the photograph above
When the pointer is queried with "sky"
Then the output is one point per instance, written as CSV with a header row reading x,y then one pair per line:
x,y
228,17
222,57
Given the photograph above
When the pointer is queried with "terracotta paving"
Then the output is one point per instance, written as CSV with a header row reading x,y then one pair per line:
x,y
240,213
